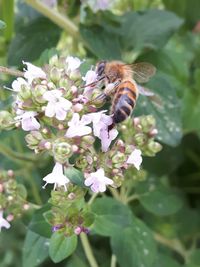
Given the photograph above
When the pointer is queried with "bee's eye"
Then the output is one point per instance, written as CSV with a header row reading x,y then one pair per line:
x,y
101,67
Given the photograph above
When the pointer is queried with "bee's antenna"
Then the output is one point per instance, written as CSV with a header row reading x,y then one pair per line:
x,y
93,83
10,89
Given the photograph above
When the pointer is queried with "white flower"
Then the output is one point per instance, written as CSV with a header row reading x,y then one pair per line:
x,y
90,77
101,123
73,63
96,5
135,158
28,120
3,222
98,181
16,84
56,177
57,105
33,72
78,127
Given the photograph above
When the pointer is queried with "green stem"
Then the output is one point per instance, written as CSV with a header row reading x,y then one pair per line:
x,y
62,21
113,261
173,244
88,250
92,198
11,71
131,198
4,150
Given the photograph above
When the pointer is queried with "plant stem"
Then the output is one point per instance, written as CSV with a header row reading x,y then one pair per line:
x,y
173,244
115,194
11,71
4,150
62,21
88,250
113,261
92,198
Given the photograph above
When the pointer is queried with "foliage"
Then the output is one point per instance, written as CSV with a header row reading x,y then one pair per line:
x,y
153,219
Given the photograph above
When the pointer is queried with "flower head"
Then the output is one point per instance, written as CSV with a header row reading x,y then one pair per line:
x,y
135,158
33,72
56,177
28,120
57,105
3,222
78,127
98,181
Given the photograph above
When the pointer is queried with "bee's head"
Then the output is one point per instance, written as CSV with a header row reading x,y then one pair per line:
x,y
100,69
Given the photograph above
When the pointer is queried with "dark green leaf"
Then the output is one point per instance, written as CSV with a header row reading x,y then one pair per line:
x,y
76,261
32,40
61,247
158,199
165,261
102,43
38,223
134,245
35,249
110,216
150,29
167,113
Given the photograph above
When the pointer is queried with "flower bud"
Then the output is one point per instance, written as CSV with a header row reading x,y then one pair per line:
x,y
62,151
81,162
53,61
118,158
147,123
25,92
75,75
117,179
78,230
154,147
6,120
55,74
88,139
140,139
38,93
33,139
65,83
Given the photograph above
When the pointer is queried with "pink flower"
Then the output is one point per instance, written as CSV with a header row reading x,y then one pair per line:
x,y
96,5
56,177
98,181
28,120
101,122
78,127
57,105
90,77
3,222
16,84
73,63
135,158
33,72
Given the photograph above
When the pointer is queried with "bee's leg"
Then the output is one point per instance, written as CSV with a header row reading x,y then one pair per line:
x,y
111,87
110,127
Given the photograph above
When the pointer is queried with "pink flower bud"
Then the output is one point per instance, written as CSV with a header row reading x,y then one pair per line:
x,y
74,148
10,218
61,126
77,107
136,121
26,206
1,188
10,173
48,145
78,230
153,132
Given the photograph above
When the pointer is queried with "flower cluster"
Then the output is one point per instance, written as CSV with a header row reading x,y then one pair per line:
x,y
63,118
12,198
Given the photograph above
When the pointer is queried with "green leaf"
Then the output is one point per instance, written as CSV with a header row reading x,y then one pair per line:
x,y
165,261
150,29
158,199
167,113
8,17
32,40
38,223
75,176
102,43
76,261
110,216
2,25
134,245
61,247
35,249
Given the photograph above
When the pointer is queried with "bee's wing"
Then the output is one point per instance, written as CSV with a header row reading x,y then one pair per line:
x,y
155,98
143,71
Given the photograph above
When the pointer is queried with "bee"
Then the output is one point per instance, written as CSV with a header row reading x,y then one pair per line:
x,y
120,84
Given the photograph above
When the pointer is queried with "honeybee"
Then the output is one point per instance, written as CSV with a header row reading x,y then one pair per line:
x,y
120,84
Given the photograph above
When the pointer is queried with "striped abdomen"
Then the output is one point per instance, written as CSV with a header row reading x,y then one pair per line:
x,y
124,101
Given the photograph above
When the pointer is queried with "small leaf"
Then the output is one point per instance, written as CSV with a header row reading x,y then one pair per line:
x,y
165,261
38,223
61,247
35,249
75,176
2,25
